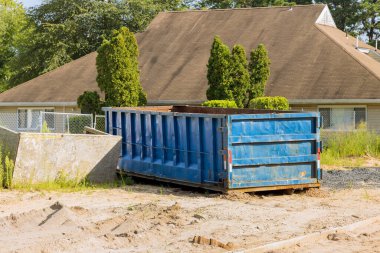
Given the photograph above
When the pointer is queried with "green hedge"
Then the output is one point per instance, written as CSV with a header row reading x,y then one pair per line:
x,y
269,103
77,124
220,103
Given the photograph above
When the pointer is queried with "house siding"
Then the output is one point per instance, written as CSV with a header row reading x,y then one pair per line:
x,y
373,117
13,109
307,108
373,114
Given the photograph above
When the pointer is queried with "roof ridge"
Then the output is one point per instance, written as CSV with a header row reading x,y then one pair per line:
x,y
238,9
347,52
44,74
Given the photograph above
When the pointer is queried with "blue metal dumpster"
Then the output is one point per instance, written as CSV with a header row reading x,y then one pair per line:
x,y
219,149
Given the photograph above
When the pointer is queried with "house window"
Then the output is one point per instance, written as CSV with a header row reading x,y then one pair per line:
x,y
343,118
29,119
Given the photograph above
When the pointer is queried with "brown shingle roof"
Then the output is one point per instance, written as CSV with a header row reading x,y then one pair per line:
x,y
309,61
64,84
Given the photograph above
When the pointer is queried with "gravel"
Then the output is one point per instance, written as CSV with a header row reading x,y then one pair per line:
x,y
352,178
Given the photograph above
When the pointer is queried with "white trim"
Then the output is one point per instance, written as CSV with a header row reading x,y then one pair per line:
x,y
342,106
325,18
38,104
332,101
34,108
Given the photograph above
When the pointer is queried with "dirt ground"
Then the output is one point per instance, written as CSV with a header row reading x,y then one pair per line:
x,y
161,218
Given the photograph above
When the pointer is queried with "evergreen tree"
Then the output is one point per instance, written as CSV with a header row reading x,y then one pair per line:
x,y
259,72
118,74
89,102
218,72
239,75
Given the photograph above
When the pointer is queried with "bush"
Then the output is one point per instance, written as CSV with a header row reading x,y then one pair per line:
x,y
220,103
78,123
269,103
89,102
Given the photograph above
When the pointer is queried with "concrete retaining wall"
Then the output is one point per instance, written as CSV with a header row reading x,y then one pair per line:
x,y
9,141
44,157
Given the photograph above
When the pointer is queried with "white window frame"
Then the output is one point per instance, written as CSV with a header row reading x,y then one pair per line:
x,y
345,106
29,116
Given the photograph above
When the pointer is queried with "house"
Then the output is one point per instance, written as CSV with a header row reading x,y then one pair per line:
x,y
56,91
314,64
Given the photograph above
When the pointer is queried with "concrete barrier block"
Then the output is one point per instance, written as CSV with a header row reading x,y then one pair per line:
x,y
45,157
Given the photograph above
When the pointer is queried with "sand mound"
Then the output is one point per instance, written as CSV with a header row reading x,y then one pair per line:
x,y
238,196
60,216
318,193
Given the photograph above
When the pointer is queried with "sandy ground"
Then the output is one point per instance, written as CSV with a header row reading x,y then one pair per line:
x,y
154,218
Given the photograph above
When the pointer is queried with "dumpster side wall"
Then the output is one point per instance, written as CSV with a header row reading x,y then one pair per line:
x,y
173,146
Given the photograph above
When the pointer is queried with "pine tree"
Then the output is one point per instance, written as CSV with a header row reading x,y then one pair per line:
x,y
239,75
218,72
118,73
259,72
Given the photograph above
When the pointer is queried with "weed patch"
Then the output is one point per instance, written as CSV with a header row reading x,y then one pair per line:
x,y
349,148
6,169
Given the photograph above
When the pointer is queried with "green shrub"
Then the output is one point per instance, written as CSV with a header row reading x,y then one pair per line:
x,y
78,123
220,103
269,103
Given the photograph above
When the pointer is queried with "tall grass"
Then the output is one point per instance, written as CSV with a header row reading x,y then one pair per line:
x,y
339,147
6,169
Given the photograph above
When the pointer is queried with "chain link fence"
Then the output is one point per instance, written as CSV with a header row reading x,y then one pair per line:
x,y
47,122
9,120
100,123
53,122
343,119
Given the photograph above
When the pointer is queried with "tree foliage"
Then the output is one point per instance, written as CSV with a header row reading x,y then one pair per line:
x,y
344,13
356,17
89,102
13,32
218,72
259,71
224,4
118,73
369,19
239,82
230,77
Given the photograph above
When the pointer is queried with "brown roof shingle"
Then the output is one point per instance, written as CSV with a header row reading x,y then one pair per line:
x,y
309,61
64,84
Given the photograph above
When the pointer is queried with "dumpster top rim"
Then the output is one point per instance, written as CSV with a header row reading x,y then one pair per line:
x,y
197,110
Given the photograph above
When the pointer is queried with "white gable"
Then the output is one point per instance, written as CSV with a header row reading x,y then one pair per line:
x,y
326,18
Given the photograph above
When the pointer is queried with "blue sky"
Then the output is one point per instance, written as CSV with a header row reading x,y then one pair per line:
x,y
30,3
